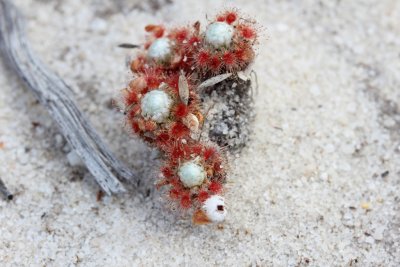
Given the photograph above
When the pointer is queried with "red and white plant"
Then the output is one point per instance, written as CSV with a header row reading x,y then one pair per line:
x,y
162,105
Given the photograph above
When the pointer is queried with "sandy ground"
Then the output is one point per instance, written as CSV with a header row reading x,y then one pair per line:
x,y
317,186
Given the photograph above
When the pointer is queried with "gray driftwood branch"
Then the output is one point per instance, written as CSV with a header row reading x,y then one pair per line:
x,y
56,96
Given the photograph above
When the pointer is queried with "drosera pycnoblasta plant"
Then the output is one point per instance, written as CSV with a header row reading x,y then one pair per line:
x,y
162,104
226,45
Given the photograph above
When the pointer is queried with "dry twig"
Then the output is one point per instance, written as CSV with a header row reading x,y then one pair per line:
x,y
56,96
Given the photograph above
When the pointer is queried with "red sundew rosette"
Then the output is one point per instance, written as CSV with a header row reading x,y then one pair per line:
x,y
233,56
208,157
171,127
169,51
194,172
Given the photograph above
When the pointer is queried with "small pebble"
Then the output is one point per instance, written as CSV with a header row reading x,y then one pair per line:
x,y
74,160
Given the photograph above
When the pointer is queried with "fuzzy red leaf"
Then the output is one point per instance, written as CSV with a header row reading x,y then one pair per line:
x,y
215,187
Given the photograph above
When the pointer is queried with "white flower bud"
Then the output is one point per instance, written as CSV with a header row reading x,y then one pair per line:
x,y
160,49
219,34
214,208
191,174
156,105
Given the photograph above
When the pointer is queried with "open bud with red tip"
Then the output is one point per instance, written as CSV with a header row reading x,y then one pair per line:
x,y
213,210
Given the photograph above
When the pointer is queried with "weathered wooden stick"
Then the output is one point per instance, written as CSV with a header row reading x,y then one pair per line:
x,y
56,96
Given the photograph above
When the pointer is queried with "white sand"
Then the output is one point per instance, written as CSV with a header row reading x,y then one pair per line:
x,y
327,127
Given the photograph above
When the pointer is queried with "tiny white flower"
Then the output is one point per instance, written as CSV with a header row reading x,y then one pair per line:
x,y
160,49
219,34
214,208
156,105
191,174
